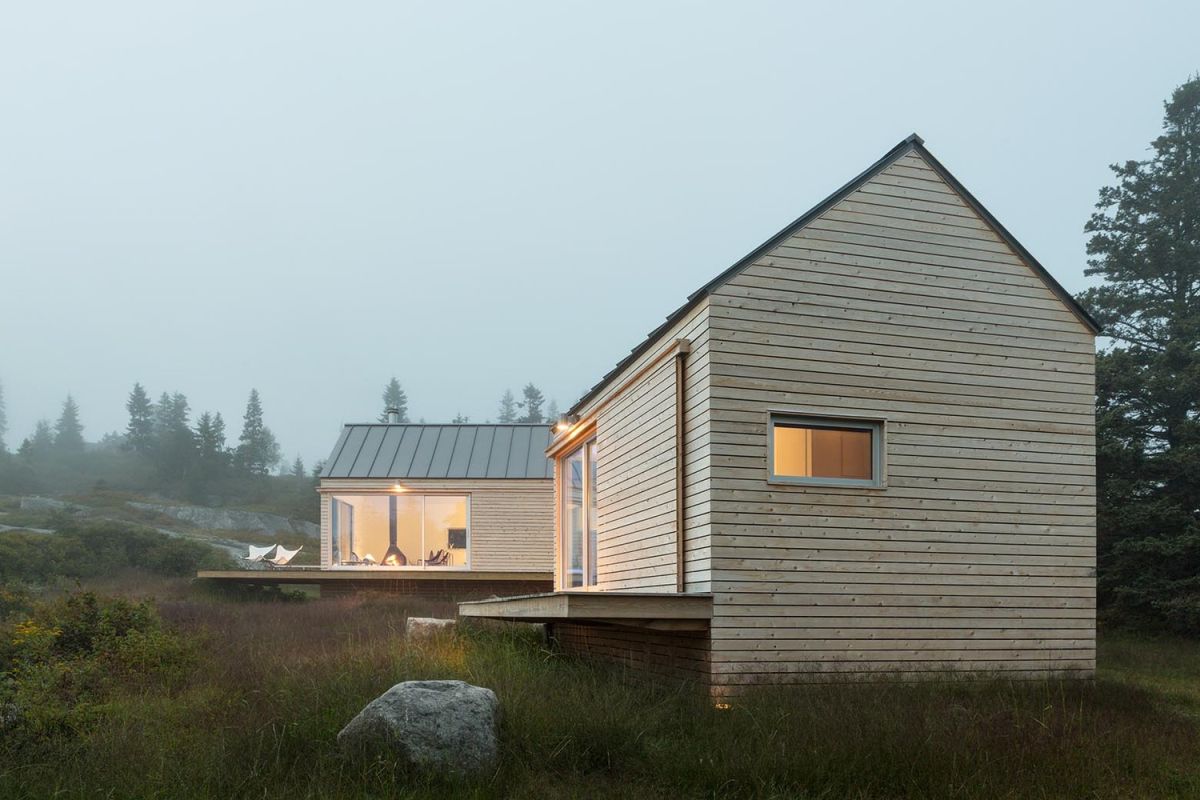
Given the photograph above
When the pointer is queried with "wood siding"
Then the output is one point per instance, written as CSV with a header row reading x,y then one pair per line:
x,y
899,304
635,435
512,521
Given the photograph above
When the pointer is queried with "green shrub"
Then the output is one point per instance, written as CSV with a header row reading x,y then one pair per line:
x,y
86,548
65,660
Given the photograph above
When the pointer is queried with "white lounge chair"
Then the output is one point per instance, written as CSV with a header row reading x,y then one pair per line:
x,y
260,554
283,556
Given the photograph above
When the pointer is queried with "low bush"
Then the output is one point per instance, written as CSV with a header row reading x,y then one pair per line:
x,y
88,548
63,660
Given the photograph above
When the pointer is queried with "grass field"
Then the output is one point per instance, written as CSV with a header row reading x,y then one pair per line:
x,y
254,709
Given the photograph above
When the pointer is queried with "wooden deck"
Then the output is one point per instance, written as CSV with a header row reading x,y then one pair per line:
x,y
654,610
454,584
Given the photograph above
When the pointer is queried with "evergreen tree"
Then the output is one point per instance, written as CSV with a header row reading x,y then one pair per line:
x,y
175,442
532,403
40,444
317,469
1145,244
210,442
552,412
394,397
257,449
298,469
139,434
460,419
508,407
171,416
68,431
3,420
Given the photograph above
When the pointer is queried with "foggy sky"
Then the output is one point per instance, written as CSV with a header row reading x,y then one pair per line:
x,y
309,198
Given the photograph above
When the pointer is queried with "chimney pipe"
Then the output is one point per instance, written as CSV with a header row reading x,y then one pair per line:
x,y
393,416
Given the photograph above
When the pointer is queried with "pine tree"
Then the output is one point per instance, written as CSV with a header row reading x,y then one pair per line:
x,y
174,441
298,468
40,444
460,419
257,449
139,434
210,441
3,420
1145,245
171,414
532,403
552,412
394,397
508,408
68,431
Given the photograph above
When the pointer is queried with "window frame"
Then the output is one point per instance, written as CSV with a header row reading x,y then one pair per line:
x,y
877,427
587,568
335,555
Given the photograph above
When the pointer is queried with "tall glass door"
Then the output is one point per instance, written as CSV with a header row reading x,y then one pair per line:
x,y
579,523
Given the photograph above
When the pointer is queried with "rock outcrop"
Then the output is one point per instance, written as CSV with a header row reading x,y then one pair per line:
x,y
44,504
229,519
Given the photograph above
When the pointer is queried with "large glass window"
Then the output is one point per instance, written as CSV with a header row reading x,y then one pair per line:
x,y
400,530
579,520
831,452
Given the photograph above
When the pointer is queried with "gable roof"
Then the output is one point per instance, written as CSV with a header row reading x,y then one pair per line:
x,y
386,450
912,143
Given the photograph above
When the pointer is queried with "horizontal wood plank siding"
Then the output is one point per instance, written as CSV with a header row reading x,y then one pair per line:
x,y
512,521
635,435
899,303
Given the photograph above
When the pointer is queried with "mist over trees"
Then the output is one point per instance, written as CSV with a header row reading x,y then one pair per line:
x,y
508,408
1145,245
530,404
3,421
68,431
139,433
394,397
161,452
257,450
169,449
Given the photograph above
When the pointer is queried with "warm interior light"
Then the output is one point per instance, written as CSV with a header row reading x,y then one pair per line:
x,y
721,706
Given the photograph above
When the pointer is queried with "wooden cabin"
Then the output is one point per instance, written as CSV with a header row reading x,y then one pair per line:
x,y
444,510
866,447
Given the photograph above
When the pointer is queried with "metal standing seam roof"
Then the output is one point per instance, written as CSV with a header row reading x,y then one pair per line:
x,y
404,450
912,143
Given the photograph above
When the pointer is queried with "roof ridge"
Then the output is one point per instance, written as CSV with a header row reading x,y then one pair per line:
x,y
911,143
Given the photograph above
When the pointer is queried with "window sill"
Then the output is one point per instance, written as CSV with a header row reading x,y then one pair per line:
x,y
820,484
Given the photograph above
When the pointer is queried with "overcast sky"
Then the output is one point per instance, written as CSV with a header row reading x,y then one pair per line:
x,y
309,198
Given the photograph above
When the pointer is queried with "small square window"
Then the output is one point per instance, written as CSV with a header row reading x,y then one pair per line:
x,y
830,452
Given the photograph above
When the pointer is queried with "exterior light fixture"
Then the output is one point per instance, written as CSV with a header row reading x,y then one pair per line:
x,y
398,488
566,422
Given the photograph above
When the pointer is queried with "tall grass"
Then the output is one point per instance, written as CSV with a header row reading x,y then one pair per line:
x,y
277,681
